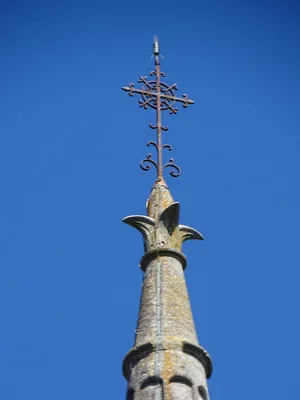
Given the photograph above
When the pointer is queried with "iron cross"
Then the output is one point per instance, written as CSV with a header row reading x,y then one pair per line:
x,y
161,97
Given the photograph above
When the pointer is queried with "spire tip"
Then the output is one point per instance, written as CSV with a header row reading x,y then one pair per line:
x,y
155,46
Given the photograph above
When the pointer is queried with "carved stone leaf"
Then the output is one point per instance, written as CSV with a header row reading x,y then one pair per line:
x,y
170,217
189,233
145,225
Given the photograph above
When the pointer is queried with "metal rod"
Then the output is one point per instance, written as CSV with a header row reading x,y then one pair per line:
x,y
158,120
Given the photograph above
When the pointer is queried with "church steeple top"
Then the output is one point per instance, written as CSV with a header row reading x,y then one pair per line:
x,y
166,362
161,97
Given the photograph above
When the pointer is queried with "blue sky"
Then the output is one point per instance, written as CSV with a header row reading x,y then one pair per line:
x,y
71,142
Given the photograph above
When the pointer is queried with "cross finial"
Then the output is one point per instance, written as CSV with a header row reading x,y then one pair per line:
x,y
160,96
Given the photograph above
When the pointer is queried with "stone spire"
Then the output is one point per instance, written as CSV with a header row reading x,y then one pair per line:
x,y
166,362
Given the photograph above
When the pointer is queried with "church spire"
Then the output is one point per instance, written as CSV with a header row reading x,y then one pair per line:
x,y
166,362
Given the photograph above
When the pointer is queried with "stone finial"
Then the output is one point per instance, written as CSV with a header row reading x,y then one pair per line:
x,y
161,228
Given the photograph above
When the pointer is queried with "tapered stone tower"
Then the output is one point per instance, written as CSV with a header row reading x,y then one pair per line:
x,y
166,361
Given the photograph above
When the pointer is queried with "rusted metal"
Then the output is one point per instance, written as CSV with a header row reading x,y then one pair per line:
x,y
161,97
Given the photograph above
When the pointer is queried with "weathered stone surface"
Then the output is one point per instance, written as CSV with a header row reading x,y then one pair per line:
x,y
166,362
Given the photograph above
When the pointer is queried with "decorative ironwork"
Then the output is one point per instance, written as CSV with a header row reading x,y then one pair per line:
x,y
161,97
146,163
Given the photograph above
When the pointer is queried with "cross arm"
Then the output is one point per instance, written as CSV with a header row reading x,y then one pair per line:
x,y
184,99
131,89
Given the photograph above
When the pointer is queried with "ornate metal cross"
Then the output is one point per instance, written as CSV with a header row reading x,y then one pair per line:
x,y
161,97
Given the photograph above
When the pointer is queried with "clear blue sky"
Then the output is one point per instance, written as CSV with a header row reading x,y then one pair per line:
x,y
71,142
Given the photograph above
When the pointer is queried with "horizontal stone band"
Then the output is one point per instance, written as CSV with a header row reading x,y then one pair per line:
x,y
138,353
162,252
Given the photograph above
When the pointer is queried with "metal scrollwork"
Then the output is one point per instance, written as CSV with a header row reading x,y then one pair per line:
x,y
176,171
167,146
146,163
152,144
161,97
